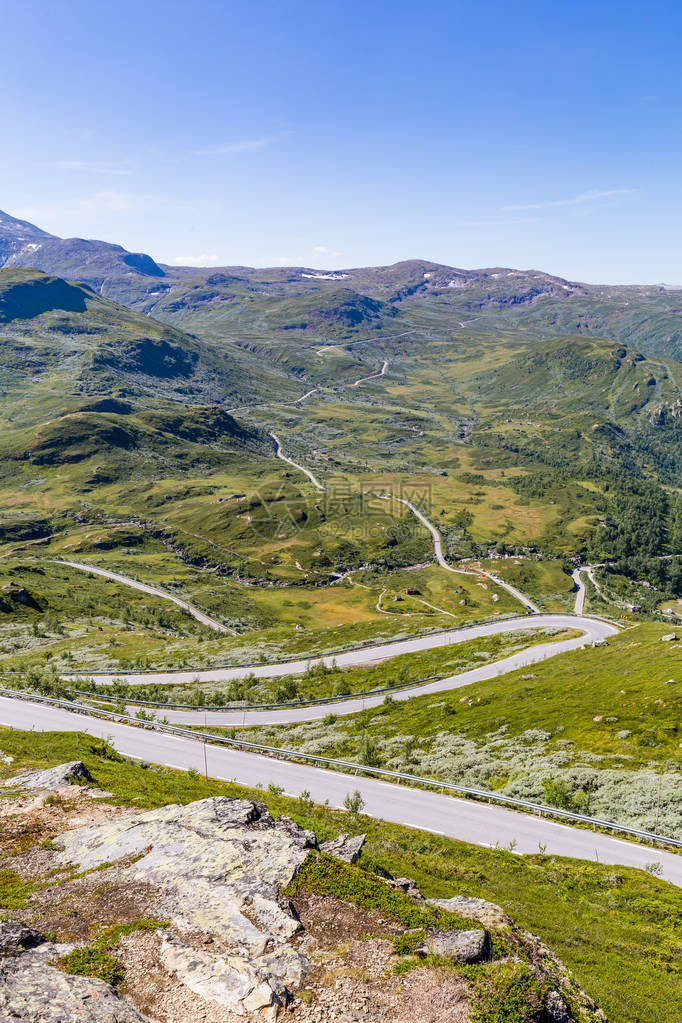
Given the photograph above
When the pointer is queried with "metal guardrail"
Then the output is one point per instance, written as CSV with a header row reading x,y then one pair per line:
x,y
315,657
481,794
259,706
385,690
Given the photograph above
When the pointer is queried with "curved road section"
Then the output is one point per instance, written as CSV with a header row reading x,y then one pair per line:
x,y
280,454
592,630
440,558
146,588
444,815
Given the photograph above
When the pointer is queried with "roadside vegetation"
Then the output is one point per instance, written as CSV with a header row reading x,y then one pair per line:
x,y
596,730
616,928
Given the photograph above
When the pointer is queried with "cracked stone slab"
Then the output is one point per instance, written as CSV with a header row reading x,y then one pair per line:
x,y
230,981
219,865
31,991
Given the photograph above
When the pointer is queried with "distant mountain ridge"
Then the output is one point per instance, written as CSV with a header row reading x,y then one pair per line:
x,y
285,303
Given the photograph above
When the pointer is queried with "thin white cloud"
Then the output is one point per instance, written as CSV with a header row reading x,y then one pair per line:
x,y
576,200
105,201
240,146
324,250
204,259
95,166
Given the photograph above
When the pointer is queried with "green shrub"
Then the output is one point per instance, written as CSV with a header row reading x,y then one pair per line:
x,y
91,961
508,993
409,940
15,892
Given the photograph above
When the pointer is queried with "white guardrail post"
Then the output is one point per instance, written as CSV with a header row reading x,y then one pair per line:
x,y
553,811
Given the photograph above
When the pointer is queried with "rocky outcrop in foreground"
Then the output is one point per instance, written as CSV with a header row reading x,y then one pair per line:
x,y
219,865
204,932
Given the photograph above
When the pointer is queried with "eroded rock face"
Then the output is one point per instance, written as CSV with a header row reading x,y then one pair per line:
x,y
230,981
219,865
32,991
345,847
240,985
16,937
52,778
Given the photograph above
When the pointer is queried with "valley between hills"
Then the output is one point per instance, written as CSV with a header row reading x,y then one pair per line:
x,y
413,519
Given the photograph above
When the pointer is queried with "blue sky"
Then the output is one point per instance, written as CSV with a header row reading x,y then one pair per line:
x,y
344,134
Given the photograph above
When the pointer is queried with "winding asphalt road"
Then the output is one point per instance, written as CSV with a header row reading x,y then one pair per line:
x,y
126,580
592,630
580,595
444,815
440,558
280,454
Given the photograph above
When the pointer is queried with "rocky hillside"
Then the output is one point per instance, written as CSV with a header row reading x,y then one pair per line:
x,y
216,912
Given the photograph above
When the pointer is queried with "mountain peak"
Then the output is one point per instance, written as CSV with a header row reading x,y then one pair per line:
x,y
95,262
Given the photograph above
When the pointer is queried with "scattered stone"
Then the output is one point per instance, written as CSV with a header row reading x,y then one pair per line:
x,y
405,884
16,937
476,909
462,946
671,682
669,637
219,864
52,778
345,847
288,965
625,733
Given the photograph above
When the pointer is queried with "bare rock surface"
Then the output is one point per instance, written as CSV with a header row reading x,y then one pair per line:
x,y
219,865
345,847
462,946
17,937
230,981
476,909
52,778
32,991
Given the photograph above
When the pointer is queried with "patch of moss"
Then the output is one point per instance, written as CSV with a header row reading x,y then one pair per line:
x,y
323,875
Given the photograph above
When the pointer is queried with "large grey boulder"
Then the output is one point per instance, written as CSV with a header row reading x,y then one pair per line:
x,y
52,778
32,991
219,865
345,847
476,909
462,946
